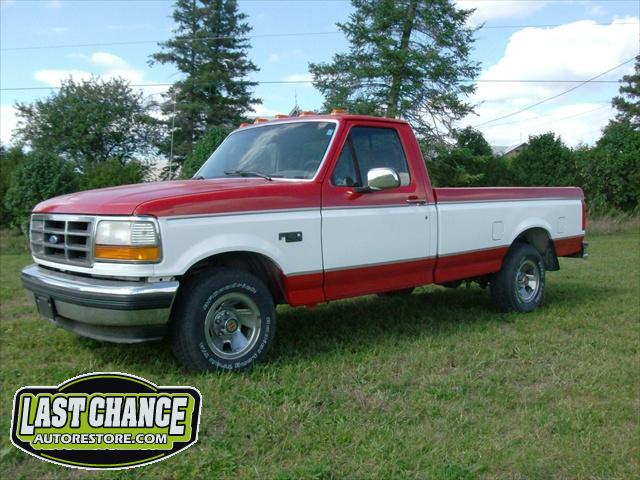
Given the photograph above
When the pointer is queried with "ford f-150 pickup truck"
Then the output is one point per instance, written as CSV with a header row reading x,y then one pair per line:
x,y
290,211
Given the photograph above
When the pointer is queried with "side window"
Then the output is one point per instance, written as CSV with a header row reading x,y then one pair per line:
x,y
374,148
344,173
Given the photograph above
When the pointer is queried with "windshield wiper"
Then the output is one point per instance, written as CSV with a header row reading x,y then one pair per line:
x,y
247,173
199,177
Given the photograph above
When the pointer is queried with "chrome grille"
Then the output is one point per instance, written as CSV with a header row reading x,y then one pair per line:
x,y
62,238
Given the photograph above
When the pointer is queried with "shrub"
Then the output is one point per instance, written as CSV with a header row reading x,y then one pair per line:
x,y
41,176
610,172
10,160
111,173
545,161
202,150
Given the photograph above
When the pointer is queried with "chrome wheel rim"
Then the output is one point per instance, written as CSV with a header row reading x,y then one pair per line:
x,y
527,281
232,325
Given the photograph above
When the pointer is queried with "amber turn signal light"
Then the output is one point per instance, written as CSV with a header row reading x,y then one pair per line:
x,y
338,111
134,254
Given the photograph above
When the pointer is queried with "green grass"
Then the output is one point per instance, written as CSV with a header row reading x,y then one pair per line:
x,y
438,385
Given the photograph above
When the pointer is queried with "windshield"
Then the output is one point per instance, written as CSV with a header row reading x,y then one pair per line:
x,y
285,150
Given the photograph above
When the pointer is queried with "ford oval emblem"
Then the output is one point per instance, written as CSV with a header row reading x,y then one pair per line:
x,y
54,239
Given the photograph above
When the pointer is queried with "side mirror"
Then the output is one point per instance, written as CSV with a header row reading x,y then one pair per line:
x,y
382,179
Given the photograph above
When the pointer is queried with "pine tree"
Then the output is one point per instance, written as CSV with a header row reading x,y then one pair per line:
x,y
628,102
210,49
408,59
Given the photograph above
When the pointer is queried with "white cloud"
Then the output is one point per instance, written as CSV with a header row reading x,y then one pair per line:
x,y
299,77
578,123
596,10
58,30
574,51
486,10
277,57
8,122
54,77
108,60
262,111
112,66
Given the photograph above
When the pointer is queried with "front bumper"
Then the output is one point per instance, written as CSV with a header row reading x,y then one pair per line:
x,y
103,309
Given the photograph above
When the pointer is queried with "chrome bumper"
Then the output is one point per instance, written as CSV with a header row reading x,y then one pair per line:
x,y
111,310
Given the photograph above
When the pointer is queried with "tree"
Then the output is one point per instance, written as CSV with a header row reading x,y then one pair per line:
x,y
408,59
42,175
111,173
628,102
545,161
90,121
10,159
202,150
473,140
210,48
610,172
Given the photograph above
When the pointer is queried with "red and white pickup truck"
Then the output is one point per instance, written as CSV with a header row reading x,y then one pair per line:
x,y
292,211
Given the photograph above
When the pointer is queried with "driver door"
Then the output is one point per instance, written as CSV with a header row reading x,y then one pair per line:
x,y
375,241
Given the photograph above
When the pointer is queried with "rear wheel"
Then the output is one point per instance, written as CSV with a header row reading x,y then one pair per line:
x,y
519,285
224,320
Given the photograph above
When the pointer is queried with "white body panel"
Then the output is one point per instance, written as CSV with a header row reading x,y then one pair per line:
x,y
349,237
374,235
470,226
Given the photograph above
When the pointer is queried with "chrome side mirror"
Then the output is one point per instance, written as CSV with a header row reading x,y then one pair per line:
x,y
382,179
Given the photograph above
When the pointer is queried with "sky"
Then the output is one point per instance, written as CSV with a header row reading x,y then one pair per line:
x,y
45,41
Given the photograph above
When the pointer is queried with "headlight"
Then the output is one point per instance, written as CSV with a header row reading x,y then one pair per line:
x,y
118,240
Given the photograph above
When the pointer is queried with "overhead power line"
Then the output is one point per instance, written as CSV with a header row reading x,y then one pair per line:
x,y
285,82
265,35
535,122
529,107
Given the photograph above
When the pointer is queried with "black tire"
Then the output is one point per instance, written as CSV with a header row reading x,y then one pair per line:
x,y
202,330
519,285
397,293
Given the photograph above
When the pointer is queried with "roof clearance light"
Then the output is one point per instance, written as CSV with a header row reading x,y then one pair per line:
x,y
260,120
244,124
338,111
307,114
281,115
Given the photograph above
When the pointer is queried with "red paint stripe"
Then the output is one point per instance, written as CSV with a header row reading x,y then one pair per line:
x,y
379,278
305,289
469,265
481,194
568,246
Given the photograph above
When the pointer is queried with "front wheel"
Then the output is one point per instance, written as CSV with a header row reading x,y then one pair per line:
x,y
225,319
519,285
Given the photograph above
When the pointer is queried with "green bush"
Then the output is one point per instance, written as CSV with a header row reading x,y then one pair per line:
x,y
610,172
41,176
10,160
202,150
111,173
545,161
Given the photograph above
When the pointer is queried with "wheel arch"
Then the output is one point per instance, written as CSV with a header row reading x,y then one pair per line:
x,y
258,264
540,238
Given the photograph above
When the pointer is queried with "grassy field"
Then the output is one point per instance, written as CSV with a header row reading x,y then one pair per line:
x,y
438,385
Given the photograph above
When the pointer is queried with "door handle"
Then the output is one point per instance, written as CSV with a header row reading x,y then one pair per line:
x,y
415,200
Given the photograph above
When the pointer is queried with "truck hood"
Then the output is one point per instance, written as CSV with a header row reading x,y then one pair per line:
x,y
186,197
